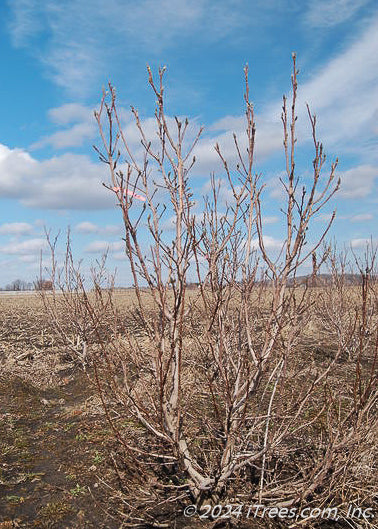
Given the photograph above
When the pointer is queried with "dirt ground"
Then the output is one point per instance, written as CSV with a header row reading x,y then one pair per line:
x,y
57,464
54,462
55,444
60,465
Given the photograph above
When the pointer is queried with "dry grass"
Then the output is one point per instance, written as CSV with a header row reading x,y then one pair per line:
x,y
32,351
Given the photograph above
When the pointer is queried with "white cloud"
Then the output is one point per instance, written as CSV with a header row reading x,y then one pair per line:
x,y
269,220
328,13
31,246
168,224
16,228
275,188
72,137
358,182
268,132
326,217
70,113
112,229
69,181
363,243
77,51
120,256
268,141
344,93
104,246
29,258
26,21
88,227
270,243
362,217
81,39
83,127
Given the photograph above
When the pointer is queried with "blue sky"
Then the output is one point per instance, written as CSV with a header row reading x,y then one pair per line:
x,y
57,55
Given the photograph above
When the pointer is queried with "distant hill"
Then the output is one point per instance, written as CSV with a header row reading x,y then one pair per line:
x,y
321,280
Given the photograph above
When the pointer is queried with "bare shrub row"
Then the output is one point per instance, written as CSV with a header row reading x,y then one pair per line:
x,y
251,386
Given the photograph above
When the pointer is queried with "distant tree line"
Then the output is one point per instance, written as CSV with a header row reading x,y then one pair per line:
x,y
19,285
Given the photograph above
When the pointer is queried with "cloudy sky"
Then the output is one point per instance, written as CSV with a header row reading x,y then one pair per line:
x,y
57,56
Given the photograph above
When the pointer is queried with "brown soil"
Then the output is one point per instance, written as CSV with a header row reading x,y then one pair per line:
x,y
60,466
54,465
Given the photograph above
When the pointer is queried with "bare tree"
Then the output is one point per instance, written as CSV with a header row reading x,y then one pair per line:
x,y
43,284
222,247
19,285
214,382
67,300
